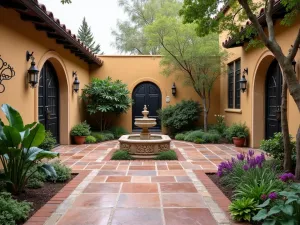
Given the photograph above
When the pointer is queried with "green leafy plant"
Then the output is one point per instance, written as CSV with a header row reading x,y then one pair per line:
x,y
19,151
209,137
90,140
34,183
281,208
108,135
180,136
243,209
118,132
181,116
37,179
105,96
220,127
239,130
167,155
199,141
63,172
82,129
49,142
100,137
193,135
275,148
121,155
12,211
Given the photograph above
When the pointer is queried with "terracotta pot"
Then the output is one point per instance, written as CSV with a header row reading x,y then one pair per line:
x,y
79,139
239,142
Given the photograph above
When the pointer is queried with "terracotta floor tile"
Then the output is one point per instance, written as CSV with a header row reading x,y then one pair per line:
x,y
139,188
100,179
139,201
163,179
112,173
109,167
137,216
102,188
122,167
80,216
175,167
183,179
177,188
141,167
162,167
183,200
171,173
96,200
185,216
118,179
140,179
141,173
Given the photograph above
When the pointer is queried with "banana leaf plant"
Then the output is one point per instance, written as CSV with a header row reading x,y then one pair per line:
x,y
19,150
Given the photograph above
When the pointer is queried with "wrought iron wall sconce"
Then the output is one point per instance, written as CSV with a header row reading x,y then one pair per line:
x,y
174,89
278,113
33,71
76,82
243,81
6,73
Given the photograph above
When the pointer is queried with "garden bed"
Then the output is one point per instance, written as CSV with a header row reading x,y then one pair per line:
x,y
39,197
228,192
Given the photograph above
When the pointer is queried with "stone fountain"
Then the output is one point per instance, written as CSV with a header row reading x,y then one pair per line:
x,y
145,145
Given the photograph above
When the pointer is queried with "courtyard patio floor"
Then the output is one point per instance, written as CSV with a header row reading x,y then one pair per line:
x,y
141,192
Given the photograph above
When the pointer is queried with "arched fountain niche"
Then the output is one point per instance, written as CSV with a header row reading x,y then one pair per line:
x,y
145,145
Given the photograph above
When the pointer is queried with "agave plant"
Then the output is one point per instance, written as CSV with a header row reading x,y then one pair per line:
x,y
19,150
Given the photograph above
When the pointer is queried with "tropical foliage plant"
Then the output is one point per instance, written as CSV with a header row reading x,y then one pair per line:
x,y
106,97
19,150
63,172
243,209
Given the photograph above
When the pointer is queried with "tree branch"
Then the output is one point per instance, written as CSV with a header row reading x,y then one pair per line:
x,y
295,48
269,20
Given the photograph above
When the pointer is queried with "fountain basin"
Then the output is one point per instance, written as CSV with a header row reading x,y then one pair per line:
x,y
145,149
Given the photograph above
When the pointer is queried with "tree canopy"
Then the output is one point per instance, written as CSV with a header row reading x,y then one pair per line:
x,y
86,36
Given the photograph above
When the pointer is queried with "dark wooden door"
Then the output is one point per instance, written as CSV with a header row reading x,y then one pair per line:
x,y
148,94
49,100
273,99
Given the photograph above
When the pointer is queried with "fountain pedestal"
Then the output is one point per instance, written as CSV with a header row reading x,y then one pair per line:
x,y
145,145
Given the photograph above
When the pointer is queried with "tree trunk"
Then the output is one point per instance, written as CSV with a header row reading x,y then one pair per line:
x,y
205,114
287,164
297,172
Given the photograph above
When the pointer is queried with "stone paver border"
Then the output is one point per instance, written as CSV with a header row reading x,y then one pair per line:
x,y
40,217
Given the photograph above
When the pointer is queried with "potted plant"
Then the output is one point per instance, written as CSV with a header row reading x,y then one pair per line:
x,y
238,133
80,132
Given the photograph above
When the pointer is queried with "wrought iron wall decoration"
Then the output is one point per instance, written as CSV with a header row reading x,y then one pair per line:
x,y
6,73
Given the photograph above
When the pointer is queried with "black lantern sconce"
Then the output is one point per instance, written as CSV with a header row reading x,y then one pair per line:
x,y
76,82
173,89
278,113
243,81
33,71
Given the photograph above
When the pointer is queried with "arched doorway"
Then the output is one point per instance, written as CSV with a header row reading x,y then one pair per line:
x,y
273,99
146,93
48,100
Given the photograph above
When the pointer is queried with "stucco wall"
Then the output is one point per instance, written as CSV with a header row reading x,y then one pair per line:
x,y
133,70
253,100
16,38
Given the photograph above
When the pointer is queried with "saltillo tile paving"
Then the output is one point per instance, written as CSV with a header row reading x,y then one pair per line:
x,y
140,192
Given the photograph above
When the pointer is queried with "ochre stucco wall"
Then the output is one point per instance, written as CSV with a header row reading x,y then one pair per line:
x,y
133,70
16,38
253,100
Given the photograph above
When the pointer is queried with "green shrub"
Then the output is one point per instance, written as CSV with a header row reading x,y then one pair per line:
x,y
192,136
82,129
21,152
243,209
275,148
239,130
118,132
121,155
180,136
100,137
63,172
168,155
109,135
12,211
37,179
220,127
90,140
211,137
199,141
181,116
49,142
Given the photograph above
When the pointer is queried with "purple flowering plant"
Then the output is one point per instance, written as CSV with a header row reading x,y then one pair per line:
x,y
287,177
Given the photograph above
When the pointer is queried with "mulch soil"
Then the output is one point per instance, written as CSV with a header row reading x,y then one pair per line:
x,y
228,192
39,197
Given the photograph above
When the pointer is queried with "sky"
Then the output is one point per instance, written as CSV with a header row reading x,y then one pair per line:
x,y
101,15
